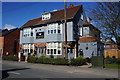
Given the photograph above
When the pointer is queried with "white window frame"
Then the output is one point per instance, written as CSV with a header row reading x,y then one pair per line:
x,y
54,26
54,45
28,47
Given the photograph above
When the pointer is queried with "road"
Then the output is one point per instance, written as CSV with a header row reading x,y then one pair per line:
x,y
13,71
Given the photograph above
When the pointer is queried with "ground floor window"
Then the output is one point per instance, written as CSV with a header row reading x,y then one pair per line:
x,y
54,48
28,48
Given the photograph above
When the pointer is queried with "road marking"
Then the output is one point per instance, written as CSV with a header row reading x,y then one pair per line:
x,y
14,73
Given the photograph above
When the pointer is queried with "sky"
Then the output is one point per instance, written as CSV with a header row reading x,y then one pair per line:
x,y
16,14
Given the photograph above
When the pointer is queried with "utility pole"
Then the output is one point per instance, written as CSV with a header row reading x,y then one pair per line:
x,y
65,27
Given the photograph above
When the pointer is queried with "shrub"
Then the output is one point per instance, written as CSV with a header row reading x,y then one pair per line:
x,y
11,58
32,59
60,61
56,61
44,60
78,61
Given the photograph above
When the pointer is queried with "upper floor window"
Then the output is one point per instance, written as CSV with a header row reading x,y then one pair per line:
x,y
39,35
27,32
54,29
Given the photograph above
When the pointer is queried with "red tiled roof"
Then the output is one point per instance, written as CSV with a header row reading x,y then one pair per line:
x,y
56,15
88,39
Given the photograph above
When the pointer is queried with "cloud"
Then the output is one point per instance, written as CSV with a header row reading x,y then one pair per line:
x,y
8,26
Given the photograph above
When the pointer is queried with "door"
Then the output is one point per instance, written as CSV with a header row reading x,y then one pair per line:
x,y
70,52
41,51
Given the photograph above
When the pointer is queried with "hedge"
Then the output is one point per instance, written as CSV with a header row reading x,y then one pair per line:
x,y
32,59
45,60
11,58
55,61
78,61
60,61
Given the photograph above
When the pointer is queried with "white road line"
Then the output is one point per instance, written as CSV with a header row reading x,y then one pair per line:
x,y
14,73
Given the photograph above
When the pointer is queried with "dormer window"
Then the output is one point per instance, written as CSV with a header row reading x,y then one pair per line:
x,y
46,16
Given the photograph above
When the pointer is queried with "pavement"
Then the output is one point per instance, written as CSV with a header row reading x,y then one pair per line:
x,y
109,73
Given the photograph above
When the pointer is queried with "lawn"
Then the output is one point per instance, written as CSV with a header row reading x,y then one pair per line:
x,y
112,65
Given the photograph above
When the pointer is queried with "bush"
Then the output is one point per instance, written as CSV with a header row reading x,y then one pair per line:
x,y
44,60
11,58
78,61
32,59
56,61
60,61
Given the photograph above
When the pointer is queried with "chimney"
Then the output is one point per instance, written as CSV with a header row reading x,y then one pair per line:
x,y
71,5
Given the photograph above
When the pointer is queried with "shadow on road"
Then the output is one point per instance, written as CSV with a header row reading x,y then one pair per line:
x,y
5,72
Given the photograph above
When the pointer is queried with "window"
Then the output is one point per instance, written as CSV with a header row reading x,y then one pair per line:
x,y
59,51
51,51
48,31
42,50
27,32
54,47
86,46
39,35
58,31
48,51
51,31
54,28
55,31
31,33
28,48
54,51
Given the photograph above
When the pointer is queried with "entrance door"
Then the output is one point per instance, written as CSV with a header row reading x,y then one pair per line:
x,y
41,51
70,53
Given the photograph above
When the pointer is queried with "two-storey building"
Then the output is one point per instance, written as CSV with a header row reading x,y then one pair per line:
x,y
45,35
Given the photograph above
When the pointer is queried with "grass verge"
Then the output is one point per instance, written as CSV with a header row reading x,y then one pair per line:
x,y
112,65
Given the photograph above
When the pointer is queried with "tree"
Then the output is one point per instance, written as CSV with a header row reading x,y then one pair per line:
x,y
106,17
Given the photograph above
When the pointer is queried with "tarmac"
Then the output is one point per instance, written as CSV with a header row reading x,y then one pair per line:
x,y
111,73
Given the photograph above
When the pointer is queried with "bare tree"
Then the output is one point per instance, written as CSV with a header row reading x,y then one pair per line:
x,y
106,17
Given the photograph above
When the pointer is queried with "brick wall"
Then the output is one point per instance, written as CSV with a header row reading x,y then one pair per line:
x,y
11,44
